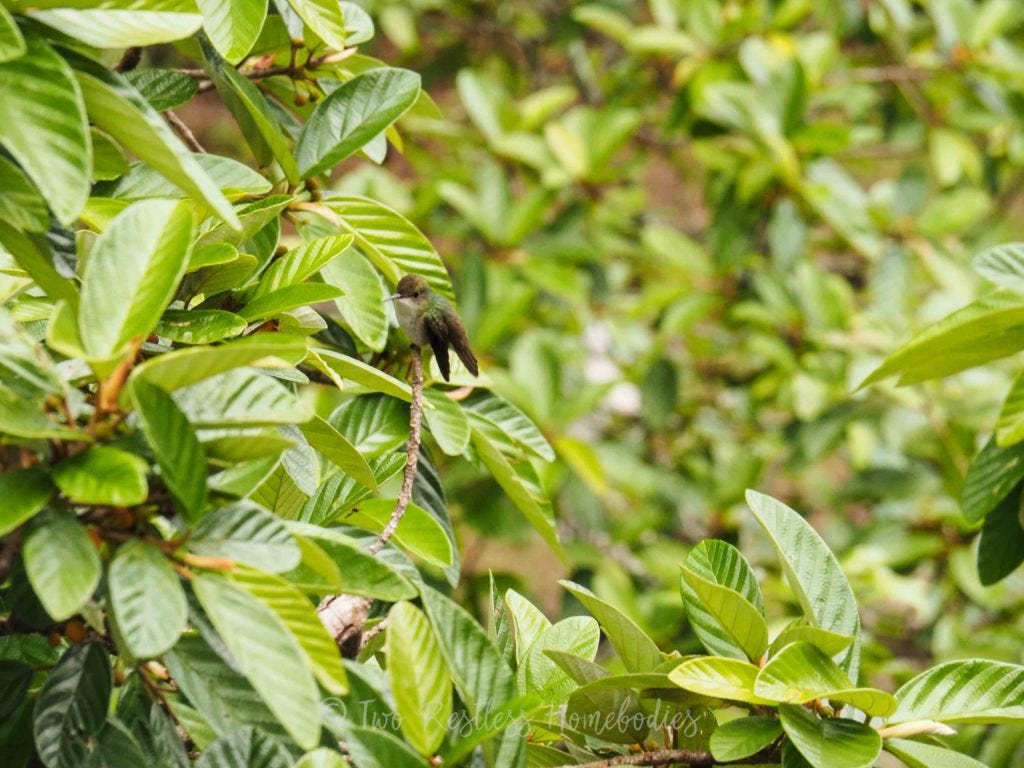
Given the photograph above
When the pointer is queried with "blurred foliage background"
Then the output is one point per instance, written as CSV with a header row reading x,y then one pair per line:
x,y
683,232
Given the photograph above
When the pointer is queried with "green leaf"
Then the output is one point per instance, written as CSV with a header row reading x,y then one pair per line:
x,y
118,28
335,447
506,425
361,573
322,757
223,697
362,301
990,478
131,275
520,490
24,417
253,113
743,737
373,748
245,746
25,492
720,678
528,621
1003,265
801,672
971,691
484,681
418,531
284,299
419,680
830,742
50,139
180,368
391,242
1010,428
538,674
232,178
299,616
241,397
103,475
353,114
163,88
300,263
610,715
985,330
148,627
247,534
1001,546
267,654
72,706
21,204
176,448
723,601
828,642
199,326
15,678
813,574
637,651
233,26
918,755
339,366
447,422
116,107
12,43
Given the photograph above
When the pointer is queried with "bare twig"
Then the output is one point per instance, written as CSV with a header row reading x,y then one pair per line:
x,y
369,634
412,452
184,132
689,757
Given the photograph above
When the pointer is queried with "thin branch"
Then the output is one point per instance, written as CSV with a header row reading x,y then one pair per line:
x,y
184,132
258,73
412,452
371,633
689,757
886,74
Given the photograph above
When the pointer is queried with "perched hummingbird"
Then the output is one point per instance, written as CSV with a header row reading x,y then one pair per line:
x,y
429,318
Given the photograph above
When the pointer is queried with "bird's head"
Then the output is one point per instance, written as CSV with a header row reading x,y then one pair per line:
x,y
413,291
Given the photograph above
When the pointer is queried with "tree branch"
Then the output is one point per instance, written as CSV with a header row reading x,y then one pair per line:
x,y
184,132
689,757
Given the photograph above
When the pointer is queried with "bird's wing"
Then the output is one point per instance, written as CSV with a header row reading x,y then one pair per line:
x,y
437,334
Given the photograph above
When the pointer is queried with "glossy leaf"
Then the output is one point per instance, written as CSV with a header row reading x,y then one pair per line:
x,y
991,477
241,397
506,425
25,492
247,534
163,88
336,447
1001,545
719,677
21,204
267,654
447,423
832,742
339,366
743,737
199,326
637,651
353,114
284,299
234,26
418,531
301,262
103,475
117,28
362,301
921,755
538,674
148,627
12,43
970,691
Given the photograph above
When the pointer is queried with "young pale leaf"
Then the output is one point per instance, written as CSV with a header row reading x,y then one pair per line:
x,y
298,614
362,302
1003,265
103,475
233,27
537,674
813,574
245,746
118,28
828,642
1010,428
971,691
301,262
284,299
636,649
50,137
419,680
267,654
528,620
985,330
918,755
72,706
743,737
25,492
352,115
519,488
322,757
131,275
393,243
801,672
182,367
61,562
247,534
148,626
176,448
233,178
991,477
120,110
720,678
12,43
447,422
21,203
339,366
830,742
335,447
418,532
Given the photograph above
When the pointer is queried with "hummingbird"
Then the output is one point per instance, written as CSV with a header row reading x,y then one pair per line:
x,y
429,318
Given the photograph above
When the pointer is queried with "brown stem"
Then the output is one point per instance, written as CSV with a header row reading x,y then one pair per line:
x,y
690,757
286,69
412,452
184,132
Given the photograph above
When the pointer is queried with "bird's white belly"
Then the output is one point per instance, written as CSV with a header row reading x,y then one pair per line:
x,y
406,312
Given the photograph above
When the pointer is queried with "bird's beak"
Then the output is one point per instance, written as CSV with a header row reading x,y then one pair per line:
x,y
393,296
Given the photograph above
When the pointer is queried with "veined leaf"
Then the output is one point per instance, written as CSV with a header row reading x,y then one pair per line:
x,y
118,28
637,651
234,26
232,178
21,204
418,531
832,741
12,43
245,746
163,88
993,474
333,445
538,674
419,680
301,262
148,627
362,301
103,475
326,19
25,492
339,366
50,137
267,653
506,425
971,691
719,677
199,326
247,534
829,642
1003,265
241,397
353,114
743,737
447,422
919,755
284,299
61,562
528,621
